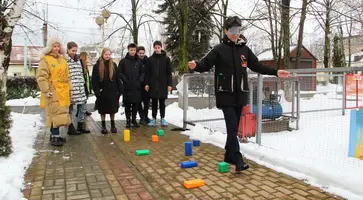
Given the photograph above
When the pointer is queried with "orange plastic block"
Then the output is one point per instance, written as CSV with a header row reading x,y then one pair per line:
x,y
155,138
193,183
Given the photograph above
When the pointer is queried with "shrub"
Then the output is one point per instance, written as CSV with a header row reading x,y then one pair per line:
x,y
5,124
20,87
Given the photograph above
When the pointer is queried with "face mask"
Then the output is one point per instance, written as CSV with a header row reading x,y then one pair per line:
x,y
234,30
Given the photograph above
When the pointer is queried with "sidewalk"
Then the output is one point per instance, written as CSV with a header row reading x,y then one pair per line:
x,y
101,167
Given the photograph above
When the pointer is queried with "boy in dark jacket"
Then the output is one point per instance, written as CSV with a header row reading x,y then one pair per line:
x,y
131,71
145,99
231,59
158,81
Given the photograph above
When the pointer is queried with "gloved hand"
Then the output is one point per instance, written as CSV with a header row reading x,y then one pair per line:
x,y
48,94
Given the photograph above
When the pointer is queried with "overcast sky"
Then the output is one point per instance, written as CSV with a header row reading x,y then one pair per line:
x,y
74,20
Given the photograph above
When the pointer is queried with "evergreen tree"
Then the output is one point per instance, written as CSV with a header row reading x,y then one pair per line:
x,y
200,30
5,124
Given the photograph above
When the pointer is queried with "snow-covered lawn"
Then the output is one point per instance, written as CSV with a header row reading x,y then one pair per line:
x,y
12,169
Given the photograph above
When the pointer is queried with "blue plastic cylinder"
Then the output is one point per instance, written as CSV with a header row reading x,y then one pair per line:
x,y
189,164
196,142
269,110
188,148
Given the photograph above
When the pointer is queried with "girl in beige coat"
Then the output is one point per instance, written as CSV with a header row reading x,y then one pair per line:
x,y
53,81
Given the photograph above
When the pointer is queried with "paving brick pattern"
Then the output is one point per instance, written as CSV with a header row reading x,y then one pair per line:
x,y
100,167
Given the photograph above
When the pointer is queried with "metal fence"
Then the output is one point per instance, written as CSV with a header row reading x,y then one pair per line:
x,y
305,114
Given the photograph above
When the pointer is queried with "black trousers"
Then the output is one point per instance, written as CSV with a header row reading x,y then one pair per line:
x,y
131,110
232,116
154,105
144,108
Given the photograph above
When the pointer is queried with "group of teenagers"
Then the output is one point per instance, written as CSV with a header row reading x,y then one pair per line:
x,y
138,79
66,84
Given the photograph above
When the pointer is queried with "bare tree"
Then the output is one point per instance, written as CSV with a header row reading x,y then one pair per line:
x,y
10,14
134,23
301,32
323,10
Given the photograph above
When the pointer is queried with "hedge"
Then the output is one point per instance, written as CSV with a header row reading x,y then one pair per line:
x,y
20,87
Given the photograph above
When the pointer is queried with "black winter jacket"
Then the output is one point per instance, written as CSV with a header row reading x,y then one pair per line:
x,y
231,61
132,74
158,75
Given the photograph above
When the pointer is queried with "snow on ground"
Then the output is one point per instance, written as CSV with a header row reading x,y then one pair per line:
x,y
30,101
12,169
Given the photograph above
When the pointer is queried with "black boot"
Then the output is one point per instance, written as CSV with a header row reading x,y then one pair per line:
x,y
81,128
239,169
128,123
135,124
88,113
104,129
113,127
143,121
64,140
57,141
72,130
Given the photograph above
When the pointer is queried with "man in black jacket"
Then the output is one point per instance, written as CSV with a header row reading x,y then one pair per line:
x,y
158,81
231,59
145,99
131,71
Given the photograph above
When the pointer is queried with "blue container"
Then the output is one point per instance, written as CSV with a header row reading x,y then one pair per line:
x,y
188,164
188,148
269,110
196,142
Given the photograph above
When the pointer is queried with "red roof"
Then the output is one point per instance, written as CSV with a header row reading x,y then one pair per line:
x,y
17,54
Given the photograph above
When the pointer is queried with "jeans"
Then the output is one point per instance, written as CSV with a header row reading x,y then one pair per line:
x,y
81,109
232,116
54,131
154,105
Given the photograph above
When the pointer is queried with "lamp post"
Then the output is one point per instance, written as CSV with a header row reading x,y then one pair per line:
x,y
101,22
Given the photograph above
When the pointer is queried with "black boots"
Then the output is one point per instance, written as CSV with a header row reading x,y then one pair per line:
x,y
72,130
57,141
128,123
81,128
135,124
113,127
104,129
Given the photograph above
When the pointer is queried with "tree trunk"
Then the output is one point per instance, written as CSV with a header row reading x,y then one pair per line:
x,y
8,18
135,30
183,30
327,36
301,32
285,23
224,7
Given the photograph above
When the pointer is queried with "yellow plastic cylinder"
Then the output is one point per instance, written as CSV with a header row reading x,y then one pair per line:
x,y
126,135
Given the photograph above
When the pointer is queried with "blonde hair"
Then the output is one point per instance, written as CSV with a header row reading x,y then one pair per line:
x,y
83,56
102,65
50,43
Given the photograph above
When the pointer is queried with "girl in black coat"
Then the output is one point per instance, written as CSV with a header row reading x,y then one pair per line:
x,y
158,81
131,72
107,87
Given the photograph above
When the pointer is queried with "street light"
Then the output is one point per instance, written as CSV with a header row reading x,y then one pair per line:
x,y
101,22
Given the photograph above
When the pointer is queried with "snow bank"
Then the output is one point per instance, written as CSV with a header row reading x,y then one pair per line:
x,y
12,169
30,101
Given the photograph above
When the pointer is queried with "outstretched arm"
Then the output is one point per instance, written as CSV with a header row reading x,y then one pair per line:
x,y
257,66
205,64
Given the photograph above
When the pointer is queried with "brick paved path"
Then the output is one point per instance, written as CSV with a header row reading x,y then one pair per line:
x,y
101,167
